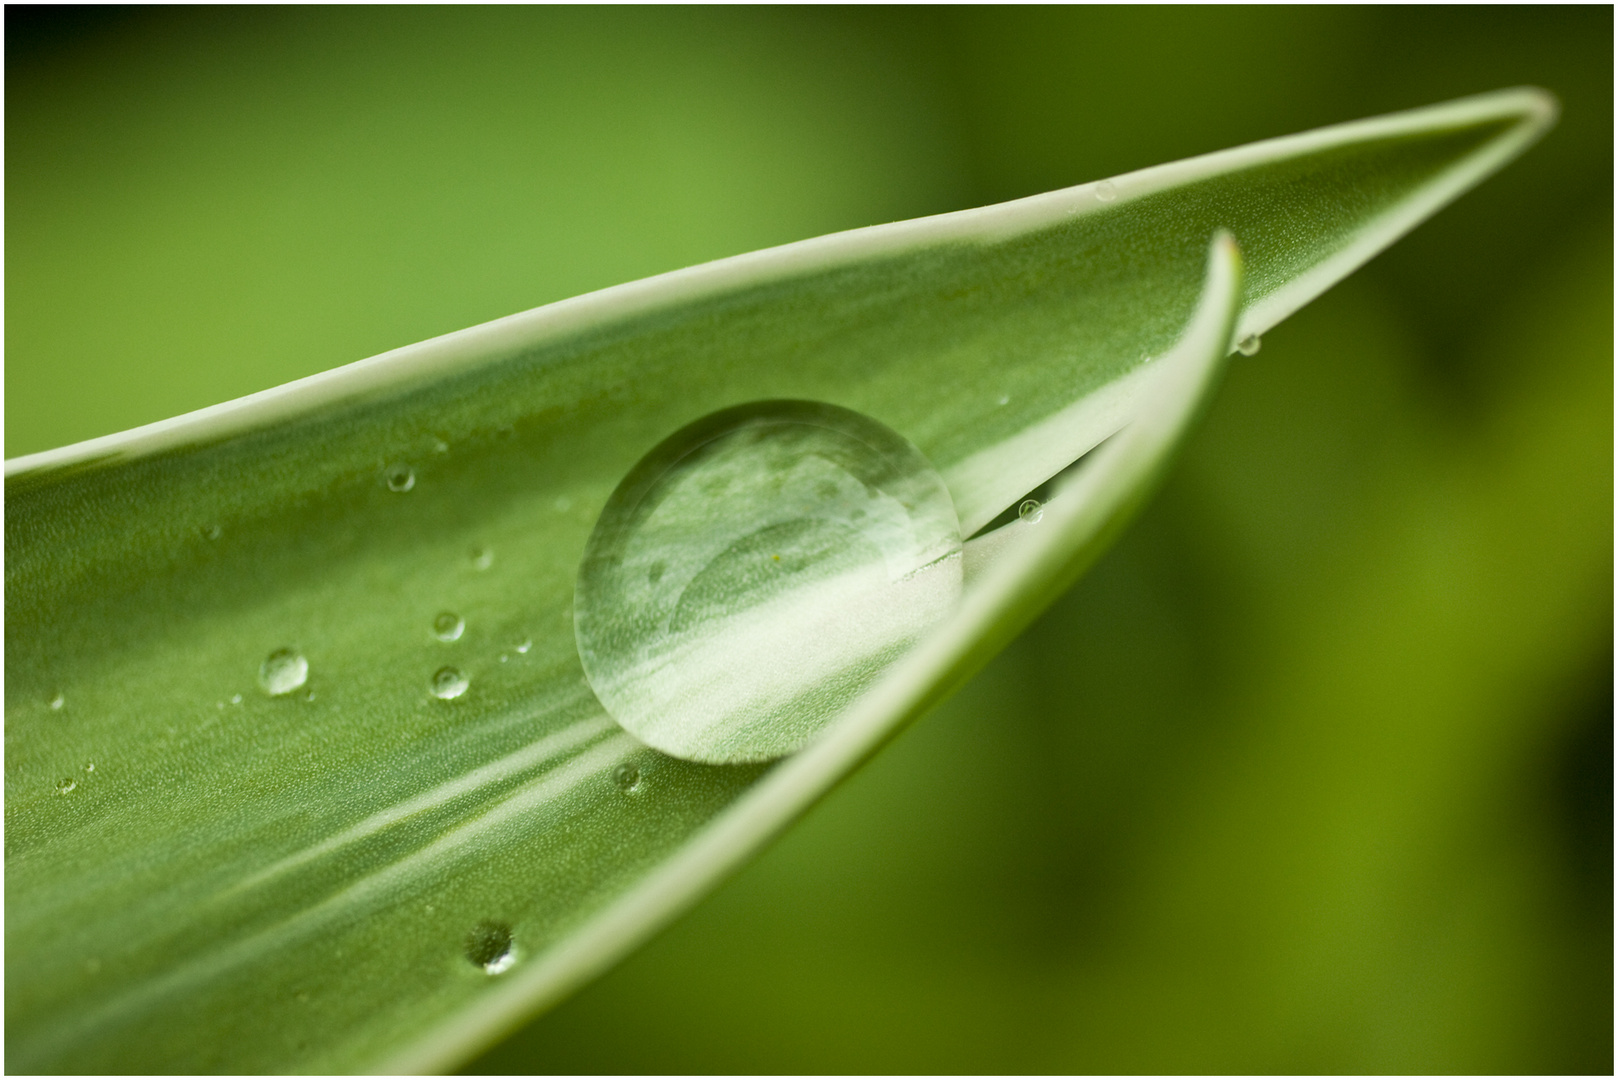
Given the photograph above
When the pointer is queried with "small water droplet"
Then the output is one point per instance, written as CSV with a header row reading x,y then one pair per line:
x,y
626,776
440,446
490,947
57,702
1031,511
525,644
482,558
504,658
400,478
282,672
212,532
308,695
65,785
236,699
448,626
1105,191
89,766
448,683
1005,399
1249,345
757,511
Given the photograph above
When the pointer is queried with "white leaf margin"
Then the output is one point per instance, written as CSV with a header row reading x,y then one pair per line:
x,y
491,342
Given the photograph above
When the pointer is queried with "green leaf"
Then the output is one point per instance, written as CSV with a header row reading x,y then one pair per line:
x,y
202,876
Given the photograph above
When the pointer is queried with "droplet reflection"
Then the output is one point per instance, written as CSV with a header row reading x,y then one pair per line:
x,y
756,571
282,672
489,945
626,776
400,478
448,683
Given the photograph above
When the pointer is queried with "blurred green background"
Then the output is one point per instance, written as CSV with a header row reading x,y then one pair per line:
x,y
1312,773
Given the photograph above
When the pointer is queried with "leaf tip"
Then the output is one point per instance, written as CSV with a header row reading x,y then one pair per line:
x,y
1539,108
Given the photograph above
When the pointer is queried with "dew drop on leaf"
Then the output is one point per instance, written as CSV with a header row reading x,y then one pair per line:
x,y
1031,511
627,777
400,478
448,683
448,626
57,702
1249,345
799,549
282,672
490,947
1105,191
66,785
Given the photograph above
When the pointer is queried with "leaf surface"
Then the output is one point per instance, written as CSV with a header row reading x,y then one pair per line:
x,y
204,877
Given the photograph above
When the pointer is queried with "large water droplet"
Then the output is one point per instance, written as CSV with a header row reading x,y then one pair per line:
x,y
448,626
448,683
400,478
756,571
1031,511
282,672
1249,345
490,947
